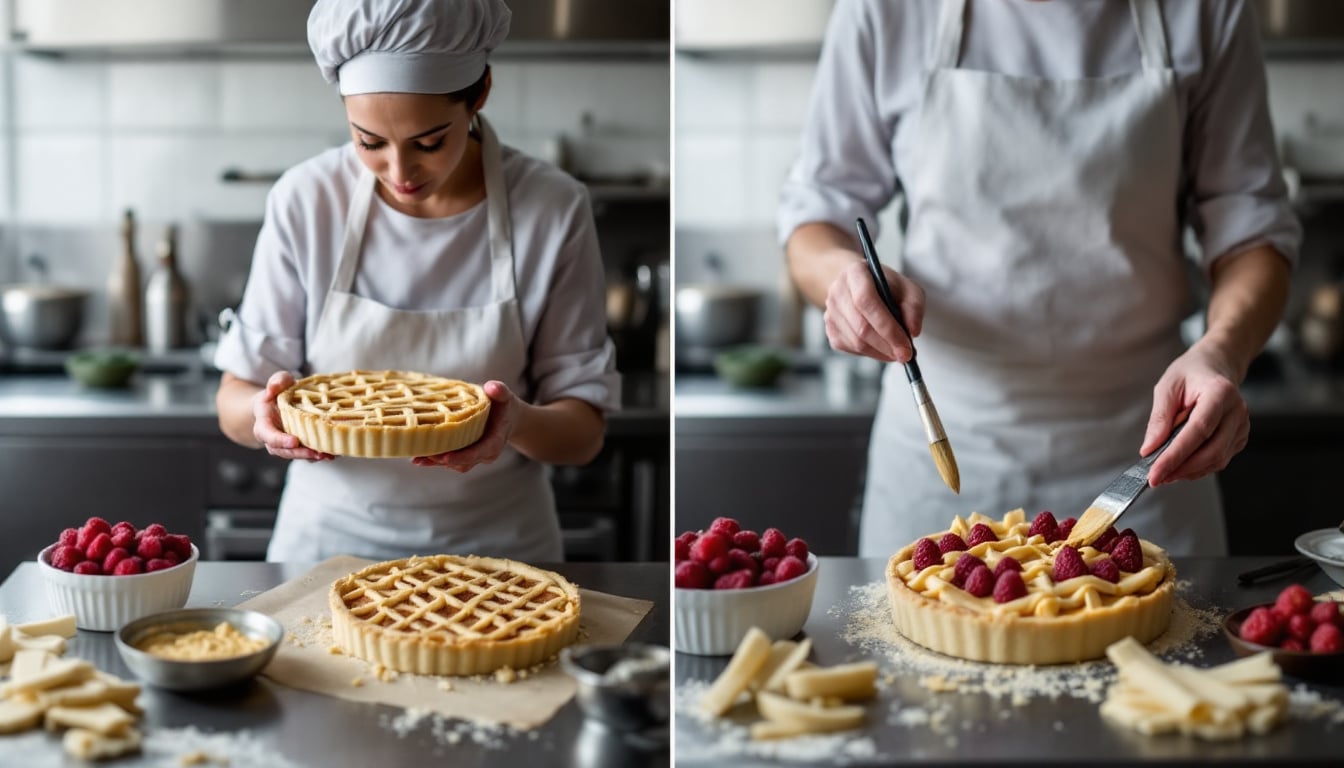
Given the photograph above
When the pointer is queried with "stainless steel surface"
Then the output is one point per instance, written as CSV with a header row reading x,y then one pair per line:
x,y
316,731
625,686
40,316
980,729
175,675
716,315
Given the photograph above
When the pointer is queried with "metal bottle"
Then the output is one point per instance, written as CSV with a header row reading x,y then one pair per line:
x,y
123,290
166,299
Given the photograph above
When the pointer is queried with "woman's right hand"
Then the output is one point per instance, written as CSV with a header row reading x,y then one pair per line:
x,y
266,426
857,321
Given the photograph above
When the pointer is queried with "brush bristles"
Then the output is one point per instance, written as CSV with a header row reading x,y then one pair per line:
x,y
1091,525
947,464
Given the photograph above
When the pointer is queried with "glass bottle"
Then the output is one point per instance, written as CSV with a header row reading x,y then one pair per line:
x,y
123,290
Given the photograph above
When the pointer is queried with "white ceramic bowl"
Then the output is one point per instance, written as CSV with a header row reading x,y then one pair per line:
x,y
712,622
104,603
1326,547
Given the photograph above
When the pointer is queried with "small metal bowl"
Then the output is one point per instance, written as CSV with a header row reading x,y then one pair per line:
x,y
627,687
198,675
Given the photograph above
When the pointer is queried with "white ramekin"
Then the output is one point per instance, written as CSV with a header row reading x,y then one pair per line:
x,y
712,622
104,603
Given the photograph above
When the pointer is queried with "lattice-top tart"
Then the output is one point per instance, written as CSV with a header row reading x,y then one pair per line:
x,y
1010,591
450,615
384,414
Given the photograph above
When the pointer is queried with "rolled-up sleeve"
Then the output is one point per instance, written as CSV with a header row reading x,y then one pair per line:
x,y
1237,196
845,169
267,334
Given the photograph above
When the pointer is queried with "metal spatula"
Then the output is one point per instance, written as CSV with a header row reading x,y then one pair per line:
x,y
1118,496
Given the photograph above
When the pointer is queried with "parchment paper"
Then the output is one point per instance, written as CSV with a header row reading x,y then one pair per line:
x,y
304,659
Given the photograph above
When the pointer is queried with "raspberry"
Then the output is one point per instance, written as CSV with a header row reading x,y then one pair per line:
x,y
68,538
1325,612
155,529
129,567
951,542
1294,599
150,547
726,526
691,575
705,548
85,538
688,536
99,547
1045,525
766,579
1128,554
981,582
1007,563
1292,644
773,543
157,564
680,550
964,565
1105,568
740,559
980,533
1066,527
1106,540
66,557
720,565
1069,564
88,568
124,539
172,557
123,526
1300,626
797,548
98,524
1009,586
735,580
789,567
748,540
114,557
1327,638
1261,627
769,564
927,554
1128,532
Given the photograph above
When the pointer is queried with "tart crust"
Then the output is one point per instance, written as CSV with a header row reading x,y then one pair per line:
x,y
384,414
1068,622
453,615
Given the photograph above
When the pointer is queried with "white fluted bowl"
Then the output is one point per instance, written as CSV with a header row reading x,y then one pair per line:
x,y
104,603
712,622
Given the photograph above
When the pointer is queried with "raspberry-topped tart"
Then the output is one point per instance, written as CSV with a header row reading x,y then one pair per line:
x,y
450,615
1010,591
384,414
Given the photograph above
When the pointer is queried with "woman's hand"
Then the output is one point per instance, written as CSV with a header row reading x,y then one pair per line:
x,y
857,320
1204,384
504,408
266,425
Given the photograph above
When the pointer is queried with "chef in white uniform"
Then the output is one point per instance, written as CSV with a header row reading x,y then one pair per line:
x,y
424,245
1049,155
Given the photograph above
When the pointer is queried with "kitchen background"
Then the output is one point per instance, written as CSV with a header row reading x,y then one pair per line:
x,y
183,113
743,77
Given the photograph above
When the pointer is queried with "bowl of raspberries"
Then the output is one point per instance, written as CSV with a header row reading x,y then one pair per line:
x,y
729,579
107,575
1304,634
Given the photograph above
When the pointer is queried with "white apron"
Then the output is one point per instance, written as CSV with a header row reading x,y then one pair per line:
x,y
390,508
1044,227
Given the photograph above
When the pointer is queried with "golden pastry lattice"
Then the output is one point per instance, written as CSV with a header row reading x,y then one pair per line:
x,y
446,614
384,413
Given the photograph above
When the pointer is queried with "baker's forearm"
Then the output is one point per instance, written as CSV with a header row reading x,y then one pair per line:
x,y
816,252
233,401
567,431
1246,302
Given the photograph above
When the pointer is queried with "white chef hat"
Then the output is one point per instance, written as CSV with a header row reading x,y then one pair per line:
x,y
405,46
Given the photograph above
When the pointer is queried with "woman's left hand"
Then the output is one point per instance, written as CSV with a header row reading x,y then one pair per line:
x,y
1203,384
504,407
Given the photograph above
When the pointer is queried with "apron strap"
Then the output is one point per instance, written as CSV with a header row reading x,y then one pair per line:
x,y
947,45
353,239
497,211
1152,35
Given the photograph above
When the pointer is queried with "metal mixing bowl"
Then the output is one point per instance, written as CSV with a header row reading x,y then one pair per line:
x,y
627,687
40,316
198,675
715,315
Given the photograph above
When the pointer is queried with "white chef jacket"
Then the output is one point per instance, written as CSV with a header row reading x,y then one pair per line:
x,y
430,263
857,142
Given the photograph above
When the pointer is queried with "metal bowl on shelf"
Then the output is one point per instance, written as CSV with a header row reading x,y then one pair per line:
x,y
713,315
40,316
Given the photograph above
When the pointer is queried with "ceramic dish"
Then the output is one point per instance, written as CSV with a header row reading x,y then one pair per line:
x,y
198,675
711,622
103,603
1326,547
1305,665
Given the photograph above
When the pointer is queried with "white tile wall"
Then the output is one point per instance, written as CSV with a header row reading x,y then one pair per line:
x,y
52,94
60,177
163,94
269,95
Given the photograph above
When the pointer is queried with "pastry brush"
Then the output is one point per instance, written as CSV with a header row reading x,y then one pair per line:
x,y
1118,496
933,426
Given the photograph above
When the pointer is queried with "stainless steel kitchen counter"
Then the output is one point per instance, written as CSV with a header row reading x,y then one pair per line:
x,y
314,730
980,729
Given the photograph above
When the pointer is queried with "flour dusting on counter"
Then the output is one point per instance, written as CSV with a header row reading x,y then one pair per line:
x,y
448,732
175,747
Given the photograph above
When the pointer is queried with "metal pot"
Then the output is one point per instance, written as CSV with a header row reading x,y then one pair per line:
x,y
715,315
40,316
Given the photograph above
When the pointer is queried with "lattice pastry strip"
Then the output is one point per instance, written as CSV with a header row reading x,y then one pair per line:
x,y
378,414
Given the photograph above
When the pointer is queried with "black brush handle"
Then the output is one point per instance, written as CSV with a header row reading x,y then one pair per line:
x,y
884,290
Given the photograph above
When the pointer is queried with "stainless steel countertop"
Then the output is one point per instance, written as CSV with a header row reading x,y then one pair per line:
x,y
314,730
1065,730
